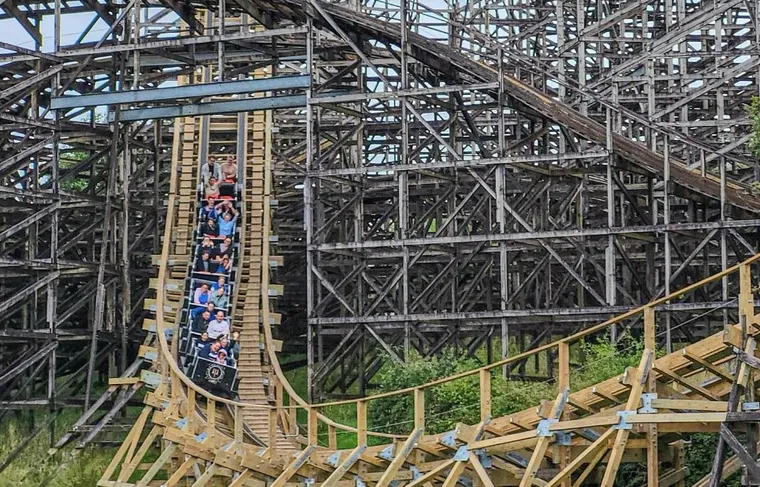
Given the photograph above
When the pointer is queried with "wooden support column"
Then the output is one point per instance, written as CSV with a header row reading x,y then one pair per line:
x,y
312,434
419,409
485,394
361,423
746,300
563,382
653,470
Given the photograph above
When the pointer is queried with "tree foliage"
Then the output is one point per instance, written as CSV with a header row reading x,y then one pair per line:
x,y
753,110
459,400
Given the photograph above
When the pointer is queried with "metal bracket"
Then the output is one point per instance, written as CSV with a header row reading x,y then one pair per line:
x,y
485,460
623,424
543,427
359,481
751,406
462,454
590,434
386,453
449,439
309,482
646,403
516,459
482,428
181,423
563,438
333,459
415,472
201,437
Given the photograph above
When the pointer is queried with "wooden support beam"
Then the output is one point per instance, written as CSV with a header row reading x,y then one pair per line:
x,y
480,471
241,479
713,369
157,465
180,472
485,393
634,396
399,459
132,437
431,474
749,461
590,467
650,342
453,477
662,370
543,443
600,444
419,409
339,472
206,477
129,469
293,467
361,423
690,405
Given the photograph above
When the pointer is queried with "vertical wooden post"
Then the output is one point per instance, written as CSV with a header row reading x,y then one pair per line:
x,y
312,427
332,437
190,408
485,394
419,409
272,432
210,417
746,299
653,460
361,423
238,427
563,383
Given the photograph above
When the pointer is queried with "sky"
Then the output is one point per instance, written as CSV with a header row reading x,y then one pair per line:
x,y
72,26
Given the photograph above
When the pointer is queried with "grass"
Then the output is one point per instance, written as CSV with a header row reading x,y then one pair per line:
x,y
34,465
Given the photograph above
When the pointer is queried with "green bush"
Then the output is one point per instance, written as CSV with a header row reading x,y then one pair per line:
x,y
458,401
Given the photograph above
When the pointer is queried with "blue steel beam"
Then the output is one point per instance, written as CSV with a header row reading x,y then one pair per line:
x,y
181,92
211,108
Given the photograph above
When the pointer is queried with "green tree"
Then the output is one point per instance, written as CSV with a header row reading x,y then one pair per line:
x,y
753,110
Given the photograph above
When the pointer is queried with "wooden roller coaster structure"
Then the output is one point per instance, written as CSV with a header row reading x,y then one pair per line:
x,y
272,437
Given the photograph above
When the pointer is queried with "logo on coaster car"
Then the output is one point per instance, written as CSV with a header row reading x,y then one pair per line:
x,y
214,373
